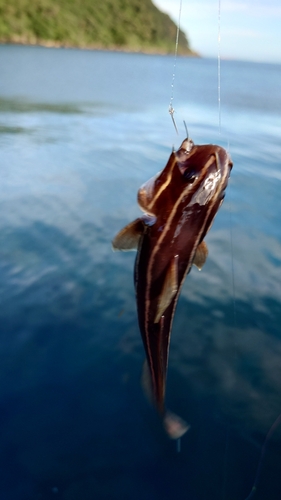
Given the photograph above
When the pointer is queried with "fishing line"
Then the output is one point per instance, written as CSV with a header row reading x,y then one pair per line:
x,y
227,440
172,111
225,463
268,437
219,64
232,268
171,108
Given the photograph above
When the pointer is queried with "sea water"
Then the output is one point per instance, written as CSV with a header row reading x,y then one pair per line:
x,y
80,131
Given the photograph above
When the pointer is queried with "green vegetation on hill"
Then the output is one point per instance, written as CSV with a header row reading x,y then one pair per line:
x,y
135,25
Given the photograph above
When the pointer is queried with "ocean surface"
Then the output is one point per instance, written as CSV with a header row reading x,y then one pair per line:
x,y
80,131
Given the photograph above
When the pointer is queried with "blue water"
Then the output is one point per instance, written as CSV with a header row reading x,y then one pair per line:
x,y
80,131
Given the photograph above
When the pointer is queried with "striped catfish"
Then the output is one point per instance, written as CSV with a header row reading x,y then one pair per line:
x,y
179,206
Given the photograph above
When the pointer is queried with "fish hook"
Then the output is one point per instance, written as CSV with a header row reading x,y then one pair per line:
x,y
171,111
186,129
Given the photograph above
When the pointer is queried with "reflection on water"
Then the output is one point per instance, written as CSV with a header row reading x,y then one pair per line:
x,y
27,106
12,130
73,417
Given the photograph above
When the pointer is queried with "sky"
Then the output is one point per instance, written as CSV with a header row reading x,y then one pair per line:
x,y
249,29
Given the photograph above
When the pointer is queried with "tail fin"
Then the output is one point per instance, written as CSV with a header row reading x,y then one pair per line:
x,y
174,425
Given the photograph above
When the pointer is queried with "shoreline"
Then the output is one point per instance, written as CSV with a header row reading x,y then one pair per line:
x,y
98,47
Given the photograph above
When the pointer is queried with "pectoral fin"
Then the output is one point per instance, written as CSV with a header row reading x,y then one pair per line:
x,y
128,238
169,289
201,255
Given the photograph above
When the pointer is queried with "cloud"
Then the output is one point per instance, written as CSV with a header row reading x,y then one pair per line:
x,y
189,9
256,9
240,32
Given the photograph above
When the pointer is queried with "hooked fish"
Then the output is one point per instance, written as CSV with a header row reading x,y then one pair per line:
x,y
179,206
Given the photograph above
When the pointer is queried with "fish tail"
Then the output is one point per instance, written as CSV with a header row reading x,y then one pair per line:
x,y
154,396
174,425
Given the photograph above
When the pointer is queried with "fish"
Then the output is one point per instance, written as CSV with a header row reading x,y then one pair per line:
x,y
179,205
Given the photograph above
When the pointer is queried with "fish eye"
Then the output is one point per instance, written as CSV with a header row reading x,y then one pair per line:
x,y
189,175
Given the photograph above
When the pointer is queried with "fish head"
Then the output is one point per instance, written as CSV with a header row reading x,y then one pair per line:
x,y
205,170
196,173
158,188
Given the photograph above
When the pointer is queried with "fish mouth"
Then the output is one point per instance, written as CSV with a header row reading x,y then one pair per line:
x,y
186,145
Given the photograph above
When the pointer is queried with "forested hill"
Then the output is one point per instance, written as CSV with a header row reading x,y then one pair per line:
x,y
134,25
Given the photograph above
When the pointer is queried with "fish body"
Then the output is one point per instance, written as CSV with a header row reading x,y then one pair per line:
x,y
179,206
